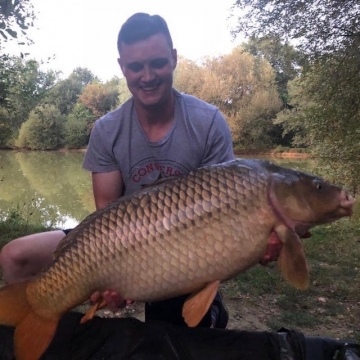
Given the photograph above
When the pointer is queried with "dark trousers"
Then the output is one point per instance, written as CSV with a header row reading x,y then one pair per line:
x,y
171,311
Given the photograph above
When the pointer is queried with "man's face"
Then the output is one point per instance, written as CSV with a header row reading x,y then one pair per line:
x,y
148,67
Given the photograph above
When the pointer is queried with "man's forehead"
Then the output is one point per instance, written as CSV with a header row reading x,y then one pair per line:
x,y
152,47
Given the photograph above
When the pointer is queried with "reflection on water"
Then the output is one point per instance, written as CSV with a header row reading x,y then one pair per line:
x,y
53,188
47,187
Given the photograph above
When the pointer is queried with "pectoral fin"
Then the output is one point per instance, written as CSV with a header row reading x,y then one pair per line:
x,y
291,261
101,303
198,303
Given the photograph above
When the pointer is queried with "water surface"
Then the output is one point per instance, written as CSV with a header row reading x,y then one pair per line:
x,y
47,187
53,188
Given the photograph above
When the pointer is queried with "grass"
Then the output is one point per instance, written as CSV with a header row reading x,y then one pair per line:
x,y
12,225
331,304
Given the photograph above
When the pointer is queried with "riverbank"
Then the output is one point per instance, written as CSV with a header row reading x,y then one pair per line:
x,y
288,154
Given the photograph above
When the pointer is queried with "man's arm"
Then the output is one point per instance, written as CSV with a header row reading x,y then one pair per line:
x,y
107,187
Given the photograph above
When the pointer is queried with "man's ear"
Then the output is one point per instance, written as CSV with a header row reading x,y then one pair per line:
x,y
174,57
121,64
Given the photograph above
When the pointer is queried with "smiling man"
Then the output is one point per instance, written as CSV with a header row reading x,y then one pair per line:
x,y
158,132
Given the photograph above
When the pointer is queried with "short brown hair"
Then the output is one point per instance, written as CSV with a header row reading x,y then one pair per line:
x,y
141,26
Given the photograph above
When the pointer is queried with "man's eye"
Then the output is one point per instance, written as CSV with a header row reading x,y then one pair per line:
x,y
135,67
158,63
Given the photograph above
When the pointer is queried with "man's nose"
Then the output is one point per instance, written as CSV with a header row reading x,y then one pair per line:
x,y
148,73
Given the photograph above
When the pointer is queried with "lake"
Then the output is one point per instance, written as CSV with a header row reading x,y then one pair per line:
x,y
52,187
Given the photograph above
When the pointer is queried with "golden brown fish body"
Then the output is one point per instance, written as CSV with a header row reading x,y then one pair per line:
x,y
186,232
166,240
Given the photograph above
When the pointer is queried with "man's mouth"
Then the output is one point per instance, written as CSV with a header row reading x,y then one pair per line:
x,y
149,88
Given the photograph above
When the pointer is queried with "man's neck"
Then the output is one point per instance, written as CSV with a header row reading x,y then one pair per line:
x,y
156,121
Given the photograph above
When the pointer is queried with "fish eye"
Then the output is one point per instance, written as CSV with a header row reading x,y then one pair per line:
x,y
319,185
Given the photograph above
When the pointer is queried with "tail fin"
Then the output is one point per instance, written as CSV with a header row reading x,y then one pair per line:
x,y
33,333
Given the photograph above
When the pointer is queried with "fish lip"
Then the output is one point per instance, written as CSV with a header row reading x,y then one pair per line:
x,y
347,203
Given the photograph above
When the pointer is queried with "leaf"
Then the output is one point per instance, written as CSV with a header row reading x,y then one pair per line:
x,y
3,34
11,33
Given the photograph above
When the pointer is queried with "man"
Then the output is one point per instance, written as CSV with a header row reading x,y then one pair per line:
x,y
157,133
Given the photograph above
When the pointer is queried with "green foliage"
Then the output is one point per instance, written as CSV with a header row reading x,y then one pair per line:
x,y
283,57
13,225
99,98
319,27
22,87
242,86
124,92
5,129
64,95
44,130
15,19
77,127
326,109
294,118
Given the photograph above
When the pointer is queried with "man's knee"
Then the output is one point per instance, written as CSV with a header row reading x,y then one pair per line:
x,y
11,260
24,257
11,254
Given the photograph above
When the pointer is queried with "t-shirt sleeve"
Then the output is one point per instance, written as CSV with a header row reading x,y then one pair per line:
x,y
98,157
219,146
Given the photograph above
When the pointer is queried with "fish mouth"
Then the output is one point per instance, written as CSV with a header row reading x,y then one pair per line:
x,y
346,205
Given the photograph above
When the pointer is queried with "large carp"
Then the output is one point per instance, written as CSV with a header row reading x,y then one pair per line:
x,y
184,234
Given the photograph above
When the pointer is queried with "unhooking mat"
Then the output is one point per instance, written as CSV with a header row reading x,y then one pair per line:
x,y
132,339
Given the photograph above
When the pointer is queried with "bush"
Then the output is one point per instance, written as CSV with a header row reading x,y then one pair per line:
x,y
77,127
44,130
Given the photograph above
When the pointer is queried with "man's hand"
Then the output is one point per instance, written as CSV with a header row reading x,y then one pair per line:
x,y
114,301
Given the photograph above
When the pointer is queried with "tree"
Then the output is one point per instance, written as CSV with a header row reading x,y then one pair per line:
x,y
5,129
78,126
22,87
83,75
44,130
328,32
28,88
294,118
64,95
319,26
242,86
283,57
99,98
188,76
124,92
15,16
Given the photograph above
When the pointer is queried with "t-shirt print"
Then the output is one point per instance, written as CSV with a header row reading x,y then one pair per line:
x,y
149,170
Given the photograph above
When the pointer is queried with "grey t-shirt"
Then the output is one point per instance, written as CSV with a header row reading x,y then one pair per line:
x,y
199,136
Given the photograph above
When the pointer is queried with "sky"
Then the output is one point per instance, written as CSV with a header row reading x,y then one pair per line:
x,y
84,32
